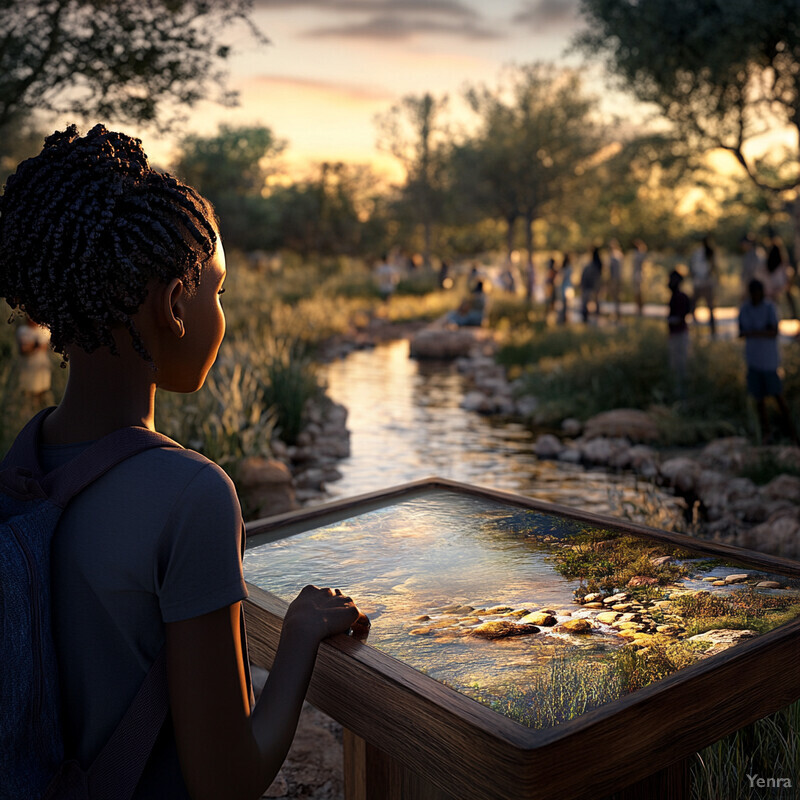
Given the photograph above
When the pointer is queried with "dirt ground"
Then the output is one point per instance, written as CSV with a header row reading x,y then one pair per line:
x,y
313,768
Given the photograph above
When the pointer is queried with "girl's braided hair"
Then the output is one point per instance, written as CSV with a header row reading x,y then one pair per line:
x,y
85,225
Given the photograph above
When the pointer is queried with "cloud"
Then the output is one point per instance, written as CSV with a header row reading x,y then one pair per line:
x,y
452,8
353,93
393,27
543,14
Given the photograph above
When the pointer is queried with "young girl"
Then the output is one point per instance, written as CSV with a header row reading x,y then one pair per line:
x,y
125,267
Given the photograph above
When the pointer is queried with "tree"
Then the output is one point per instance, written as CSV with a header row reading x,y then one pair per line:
x,y
724,74
231,169
536,138
413,132
123,59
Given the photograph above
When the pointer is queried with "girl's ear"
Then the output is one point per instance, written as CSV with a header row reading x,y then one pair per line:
x,y
172,306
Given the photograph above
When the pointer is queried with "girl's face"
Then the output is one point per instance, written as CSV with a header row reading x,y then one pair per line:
x,y
185,366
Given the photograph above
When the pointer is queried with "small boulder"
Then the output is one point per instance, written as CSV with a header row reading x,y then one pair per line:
x,y
681,473
548,446
574,626
607,617
502,629
642,580
571,427
539,618
768,585
738,578
631,423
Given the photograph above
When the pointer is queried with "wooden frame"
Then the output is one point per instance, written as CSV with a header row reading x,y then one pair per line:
x,y
404,729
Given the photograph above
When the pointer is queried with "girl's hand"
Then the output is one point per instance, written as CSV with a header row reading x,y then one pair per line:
x,y
318,613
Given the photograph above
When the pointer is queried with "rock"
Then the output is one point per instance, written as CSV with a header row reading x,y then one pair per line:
x,y
420,631
571,427
254,471
548,446
738,578
265,487
570,455
727,454
498,610
660,561
768,585
601,450
526,406
312,478
441,343
615,598
596,604
723,636
592,597
472,401
719,583
668,630
464,609
680,473
539,618
783,487
779,536
519,612
642,580
501,629
574,626
423,618
635,425
607,617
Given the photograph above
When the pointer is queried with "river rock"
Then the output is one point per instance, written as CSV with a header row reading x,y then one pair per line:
x,y
660,561
502,629
498,610
266,486
472,401
571,427
548,446
607,617
441,343
635,425
780,535
738,578
615,598
642,580
768,585
602,450
574,626
723,638
783,487
592,597
526,406
726,454
681,473
541,618
570,455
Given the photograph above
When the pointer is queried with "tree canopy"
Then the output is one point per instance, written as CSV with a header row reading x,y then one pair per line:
x,y
724,73
136,61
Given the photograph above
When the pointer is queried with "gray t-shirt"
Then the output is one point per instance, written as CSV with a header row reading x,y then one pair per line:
x,y
759,352
157,539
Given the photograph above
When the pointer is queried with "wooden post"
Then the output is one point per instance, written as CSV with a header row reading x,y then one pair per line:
x,y
371,774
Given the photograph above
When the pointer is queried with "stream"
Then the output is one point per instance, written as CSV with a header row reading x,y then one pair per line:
x,y
406,424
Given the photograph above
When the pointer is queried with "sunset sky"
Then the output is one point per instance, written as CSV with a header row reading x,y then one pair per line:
x,y
332,65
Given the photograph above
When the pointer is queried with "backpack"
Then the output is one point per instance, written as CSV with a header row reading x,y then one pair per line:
x,y
32,761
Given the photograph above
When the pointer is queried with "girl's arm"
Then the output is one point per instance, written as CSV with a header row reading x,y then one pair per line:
x,y
225,751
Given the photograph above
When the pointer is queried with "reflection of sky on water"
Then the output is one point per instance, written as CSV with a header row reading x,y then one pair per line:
x,y
441,548
406,424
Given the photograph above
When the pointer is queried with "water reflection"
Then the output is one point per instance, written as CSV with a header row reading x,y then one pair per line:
x,y
406,424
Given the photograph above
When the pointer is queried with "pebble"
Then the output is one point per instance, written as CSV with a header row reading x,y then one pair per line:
x,y
738,578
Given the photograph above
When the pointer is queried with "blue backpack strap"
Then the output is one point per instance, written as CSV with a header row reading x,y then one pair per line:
x,y
63,483
23,453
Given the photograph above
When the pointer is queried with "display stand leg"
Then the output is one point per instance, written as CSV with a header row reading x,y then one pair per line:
x,y
370,774
672,783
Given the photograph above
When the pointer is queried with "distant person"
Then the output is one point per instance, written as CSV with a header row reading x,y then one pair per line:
x,y
591,277
614,275
639,256
474,277
758,325
778,276
753,263
680,306
387,277
550,285
35,371
508,282
565,287
703,270
445,281
471,312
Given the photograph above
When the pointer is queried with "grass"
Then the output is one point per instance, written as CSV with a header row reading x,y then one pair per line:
x,y
581,372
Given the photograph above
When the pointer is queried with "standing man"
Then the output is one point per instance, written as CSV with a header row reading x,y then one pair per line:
x,y
758,325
